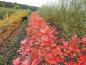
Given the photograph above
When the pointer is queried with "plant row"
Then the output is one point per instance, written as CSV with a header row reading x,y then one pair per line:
x,y
42,46
69,15
10,23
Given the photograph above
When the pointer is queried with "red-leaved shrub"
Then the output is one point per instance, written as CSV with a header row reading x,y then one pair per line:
x,y
42,45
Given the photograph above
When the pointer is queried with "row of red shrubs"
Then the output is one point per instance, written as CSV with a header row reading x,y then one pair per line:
x,y
42,46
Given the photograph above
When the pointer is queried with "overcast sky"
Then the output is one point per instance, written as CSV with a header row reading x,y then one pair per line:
x,y
30,2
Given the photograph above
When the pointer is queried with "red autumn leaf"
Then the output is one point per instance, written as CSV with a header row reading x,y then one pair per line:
x,y
16,61
84,40
52,61
27,50
83,57
50,55
43,32
80,62
65,43
25,62
35,62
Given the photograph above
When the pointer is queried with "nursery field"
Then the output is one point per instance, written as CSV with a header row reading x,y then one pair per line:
x,y
12,24
43,46
10,46
55,34
10,21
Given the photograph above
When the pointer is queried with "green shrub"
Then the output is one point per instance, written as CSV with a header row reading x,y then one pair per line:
x,y
6,11
69,15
